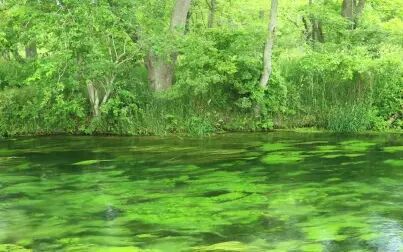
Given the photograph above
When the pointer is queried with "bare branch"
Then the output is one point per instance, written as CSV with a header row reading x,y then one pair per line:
x,y
124,61
110,53
62,73
114,46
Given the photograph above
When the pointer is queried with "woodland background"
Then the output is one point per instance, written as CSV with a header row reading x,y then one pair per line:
x,y
137,67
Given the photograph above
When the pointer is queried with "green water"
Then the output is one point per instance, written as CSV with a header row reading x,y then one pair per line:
x,y
238,192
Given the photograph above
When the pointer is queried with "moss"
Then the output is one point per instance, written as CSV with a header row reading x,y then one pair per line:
x,y
325,148
313,142
355,145
230,246
394,162
142,202
308,130
115,249
282,158
330,227
352,163
332,156
393,149
354,155
312,247
88,162
276,146
13,248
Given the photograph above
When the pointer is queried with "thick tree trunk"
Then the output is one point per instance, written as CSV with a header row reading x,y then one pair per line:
x,y
268,50
211,15
360,7
160,72
348,9
161,69
314,32
352,9
318,31
179,14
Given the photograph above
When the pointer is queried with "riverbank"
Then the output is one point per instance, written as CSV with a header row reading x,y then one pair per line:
x,y
218,133
175,117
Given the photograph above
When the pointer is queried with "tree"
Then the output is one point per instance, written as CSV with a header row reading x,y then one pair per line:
x,y
81,66
352,9
30,50
101,84
268,49
313,27
212,11
161,68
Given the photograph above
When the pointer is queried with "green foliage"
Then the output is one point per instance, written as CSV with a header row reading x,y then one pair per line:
x,y
348,118
43,111
349,82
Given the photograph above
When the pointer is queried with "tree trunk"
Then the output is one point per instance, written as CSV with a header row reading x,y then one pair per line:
x,y
94,98
160,72
211,15
161,69
315,32
268,50
348,9
188,19
360,7
307,31
179,14
98,97
318,31
31,50
351,9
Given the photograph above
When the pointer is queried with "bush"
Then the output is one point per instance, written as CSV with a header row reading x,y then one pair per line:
x,y
33,110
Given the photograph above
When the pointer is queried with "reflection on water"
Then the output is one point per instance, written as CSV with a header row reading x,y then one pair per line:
x,y
238,192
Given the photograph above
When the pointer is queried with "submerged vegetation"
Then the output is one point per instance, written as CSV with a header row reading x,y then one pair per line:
x,y
190,66
233,193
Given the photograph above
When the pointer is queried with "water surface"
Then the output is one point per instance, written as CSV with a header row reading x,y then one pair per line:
x,y
237,192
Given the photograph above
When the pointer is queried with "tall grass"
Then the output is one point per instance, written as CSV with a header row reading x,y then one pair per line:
x,y
348,118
